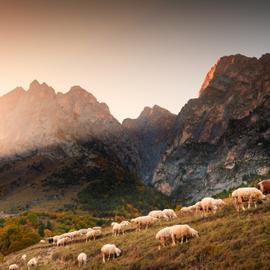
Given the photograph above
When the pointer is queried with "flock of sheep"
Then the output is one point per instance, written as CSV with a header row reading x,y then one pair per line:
x,y
166,236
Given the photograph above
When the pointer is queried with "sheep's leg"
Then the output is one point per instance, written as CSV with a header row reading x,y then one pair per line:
x,y
173,240
182,240
103,257
249,202
241,203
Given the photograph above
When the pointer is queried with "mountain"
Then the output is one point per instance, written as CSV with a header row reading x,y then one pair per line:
x,y
222,137
152,133
66,150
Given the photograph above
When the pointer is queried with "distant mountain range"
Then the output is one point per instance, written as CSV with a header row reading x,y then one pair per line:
x,y
67,150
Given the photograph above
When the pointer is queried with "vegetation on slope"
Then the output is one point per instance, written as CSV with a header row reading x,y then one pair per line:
x,y
21,231
227,241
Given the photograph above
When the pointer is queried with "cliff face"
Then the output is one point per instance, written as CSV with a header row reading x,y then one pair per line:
x,y
219,142
151,132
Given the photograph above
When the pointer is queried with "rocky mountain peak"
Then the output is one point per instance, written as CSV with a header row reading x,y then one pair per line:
x,y
229,69
40,90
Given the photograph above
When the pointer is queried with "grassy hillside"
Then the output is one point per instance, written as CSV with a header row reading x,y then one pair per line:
x,y
227,241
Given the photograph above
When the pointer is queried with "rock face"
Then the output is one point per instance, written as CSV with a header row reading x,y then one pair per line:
x,y
221,137
152,133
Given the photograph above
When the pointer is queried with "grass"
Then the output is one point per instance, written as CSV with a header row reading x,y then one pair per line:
x,y
227,241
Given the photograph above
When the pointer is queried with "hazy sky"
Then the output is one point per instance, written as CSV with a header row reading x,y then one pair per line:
x,y
129,54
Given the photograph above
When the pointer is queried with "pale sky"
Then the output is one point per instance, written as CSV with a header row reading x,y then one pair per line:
x,y
129,54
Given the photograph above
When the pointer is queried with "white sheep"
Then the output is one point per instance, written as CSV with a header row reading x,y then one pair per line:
x,y
182,232
117,229
125,223
208,205
93,234
42,241
63,241
82,259
33,262
108,250
170,213
164,235
144,222
13,266
249,194
158,214
188,210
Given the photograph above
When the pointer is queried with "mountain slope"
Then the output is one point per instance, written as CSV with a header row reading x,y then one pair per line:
x,y
227,241
221,137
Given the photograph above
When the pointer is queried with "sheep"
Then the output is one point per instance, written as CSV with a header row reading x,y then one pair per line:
x,y
125,223
144,222
219,203
117,229
163,236
33,262
93,234
82,259
187,210
170,213
108,250
208,205
13,267
63,241
264,186
83,231
23,258
158,214
182,232
249,194
42,241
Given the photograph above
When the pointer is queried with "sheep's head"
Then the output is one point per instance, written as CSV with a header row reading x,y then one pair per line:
x,y
118,252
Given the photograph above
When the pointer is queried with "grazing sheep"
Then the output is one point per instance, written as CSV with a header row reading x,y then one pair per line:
x,y
13,267
144,222
93,234
264,186
249,194
219,203
208,205
63,241
42,241
117,229
125,223
164,235
82,259
189,210
33,262
158,214
83,231
170,214
23,258
108,250
182,232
